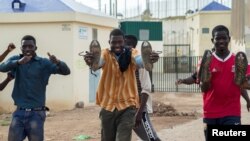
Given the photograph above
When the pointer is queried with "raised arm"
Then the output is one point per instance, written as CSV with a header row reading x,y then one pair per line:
x,y
6,81
10,47
154,57
10,64
188,81
61,67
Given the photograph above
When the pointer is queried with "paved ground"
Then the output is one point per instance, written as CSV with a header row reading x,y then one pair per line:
x,y
65,125
193,130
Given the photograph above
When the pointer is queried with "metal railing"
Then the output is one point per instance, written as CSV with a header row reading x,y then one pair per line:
x,y
169,69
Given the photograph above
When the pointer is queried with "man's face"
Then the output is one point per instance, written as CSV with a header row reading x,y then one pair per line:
x,y
221,41
116,44
28,47
129,43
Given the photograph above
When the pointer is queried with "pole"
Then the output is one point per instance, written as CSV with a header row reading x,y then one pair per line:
x,y
110,7
99,5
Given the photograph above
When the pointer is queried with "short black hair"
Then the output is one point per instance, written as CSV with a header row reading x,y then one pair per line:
x,y
116,32
29,37
220,28
132,38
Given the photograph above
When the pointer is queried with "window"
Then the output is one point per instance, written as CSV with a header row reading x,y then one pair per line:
x,y
94,34
205,30
17,5
144,34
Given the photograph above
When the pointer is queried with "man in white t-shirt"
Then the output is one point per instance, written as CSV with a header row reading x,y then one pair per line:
x,y
143,127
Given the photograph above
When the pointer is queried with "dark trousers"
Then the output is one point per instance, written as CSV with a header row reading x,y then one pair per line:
x,y
228,120
117,125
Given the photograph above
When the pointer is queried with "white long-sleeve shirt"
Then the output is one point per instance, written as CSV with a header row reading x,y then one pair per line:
x,y
146,87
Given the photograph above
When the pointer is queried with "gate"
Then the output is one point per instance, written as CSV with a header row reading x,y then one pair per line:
x,y
177,64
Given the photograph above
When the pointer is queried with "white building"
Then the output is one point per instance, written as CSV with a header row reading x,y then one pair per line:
x,y
63,28
195,28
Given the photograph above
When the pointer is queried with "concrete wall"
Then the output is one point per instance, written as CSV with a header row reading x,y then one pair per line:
x,y
210,20
198,40
193,23
175,31
58,34
50,38
80,69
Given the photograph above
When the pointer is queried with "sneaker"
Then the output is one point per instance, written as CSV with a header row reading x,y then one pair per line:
x,y
146,50
241,64
95,48
204,75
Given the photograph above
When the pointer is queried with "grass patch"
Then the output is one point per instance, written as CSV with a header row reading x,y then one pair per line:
x,y
5,122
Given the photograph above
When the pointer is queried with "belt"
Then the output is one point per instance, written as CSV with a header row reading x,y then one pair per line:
x,y
44,108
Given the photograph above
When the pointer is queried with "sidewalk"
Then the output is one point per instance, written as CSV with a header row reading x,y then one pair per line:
x,y
193,131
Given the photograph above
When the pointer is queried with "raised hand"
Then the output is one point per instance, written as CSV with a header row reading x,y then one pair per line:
x,y
11,47
154,56
88,58
53,58
10,76
179,81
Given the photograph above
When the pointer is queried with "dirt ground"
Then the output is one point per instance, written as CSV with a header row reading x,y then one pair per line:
x,y
169,110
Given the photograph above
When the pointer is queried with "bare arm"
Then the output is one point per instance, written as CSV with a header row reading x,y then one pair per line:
x,y
7,51
5,82
143,102
146,89
244,94
188,81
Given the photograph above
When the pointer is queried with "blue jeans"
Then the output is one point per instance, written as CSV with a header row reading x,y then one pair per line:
x,y
27,124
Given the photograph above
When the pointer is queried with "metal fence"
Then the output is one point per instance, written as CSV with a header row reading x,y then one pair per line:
x,y
169,69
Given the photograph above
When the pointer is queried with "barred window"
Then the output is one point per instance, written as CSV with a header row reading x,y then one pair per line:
x,y
205,30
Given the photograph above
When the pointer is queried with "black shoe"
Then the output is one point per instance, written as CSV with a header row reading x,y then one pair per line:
x,y
95,48
204,75
241,64
146,50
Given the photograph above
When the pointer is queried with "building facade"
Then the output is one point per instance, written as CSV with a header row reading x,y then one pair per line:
x,y
63,28
195,28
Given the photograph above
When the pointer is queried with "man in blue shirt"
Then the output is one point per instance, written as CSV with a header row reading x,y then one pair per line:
x,y
31,74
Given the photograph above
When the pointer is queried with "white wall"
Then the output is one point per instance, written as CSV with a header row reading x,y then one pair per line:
x,y
50,38
175,31
210,20
193,23
80,69
62,39
200,42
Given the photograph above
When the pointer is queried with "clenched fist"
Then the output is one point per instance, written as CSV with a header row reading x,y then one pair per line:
x,y
11,47
24,60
